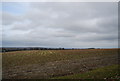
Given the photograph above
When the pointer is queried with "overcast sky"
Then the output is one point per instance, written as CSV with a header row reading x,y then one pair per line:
x,y
64,24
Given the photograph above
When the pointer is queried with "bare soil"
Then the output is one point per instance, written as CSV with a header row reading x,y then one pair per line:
x,y
58,68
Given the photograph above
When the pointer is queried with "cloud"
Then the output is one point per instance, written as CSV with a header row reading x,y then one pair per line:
x,y
63,24
9,18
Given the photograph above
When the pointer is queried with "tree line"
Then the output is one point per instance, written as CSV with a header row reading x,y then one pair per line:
x,y
31,48
5,49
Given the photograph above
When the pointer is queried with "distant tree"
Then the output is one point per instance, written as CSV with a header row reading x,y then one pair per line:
x,y
91,48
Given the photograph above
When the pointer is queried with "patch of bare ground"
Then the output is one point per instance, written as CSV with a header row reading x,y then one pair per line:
x,y
58,68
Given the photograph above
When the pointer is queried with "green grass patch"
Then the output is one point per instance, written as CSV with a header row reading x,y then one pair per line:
x,y
100,73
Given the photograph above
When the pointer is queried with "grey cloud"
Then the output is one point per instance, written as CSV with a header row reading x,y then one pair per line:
x,y
64,24
9,18
97,37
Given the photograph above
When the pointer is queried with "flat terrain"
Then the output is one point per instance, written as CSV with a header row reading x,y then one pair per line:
x,y
47,64
107,72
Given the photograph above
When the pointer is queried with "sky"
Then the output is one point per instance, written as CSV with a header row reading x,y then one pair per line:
x,y
60,24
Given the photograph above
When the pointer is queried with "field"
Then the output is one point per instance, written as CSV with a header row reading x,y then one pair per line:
x,y
60,64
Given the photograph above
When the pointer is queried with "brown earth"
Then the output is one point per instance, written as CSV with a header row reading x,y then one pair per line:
x,y
58,68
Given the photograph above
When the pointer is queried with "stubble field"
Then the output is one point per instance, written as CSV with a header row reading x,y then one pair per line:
x,y
60,64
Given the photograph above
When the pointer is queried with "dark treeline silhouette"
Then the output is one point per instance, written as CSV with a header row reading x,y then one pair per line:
x,y
9,49
5,49
91,48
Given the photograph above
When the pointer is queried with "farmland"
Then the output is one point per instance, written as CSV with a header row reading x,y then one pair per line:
x,y
48,64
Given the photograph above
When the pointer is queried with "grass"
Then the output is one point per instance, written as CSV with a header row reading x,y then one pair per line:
x,y
18,58
34,64
100,73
